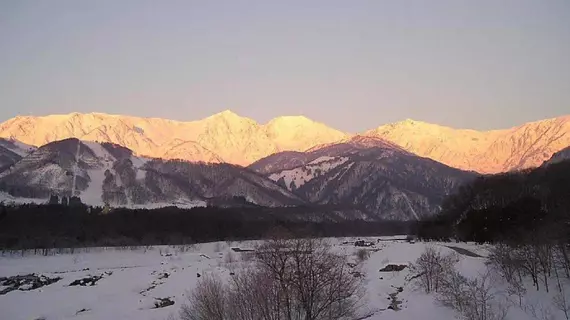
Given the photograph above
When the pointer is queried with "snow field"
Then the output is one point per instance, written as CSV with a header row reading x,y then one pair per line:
x,y
138,278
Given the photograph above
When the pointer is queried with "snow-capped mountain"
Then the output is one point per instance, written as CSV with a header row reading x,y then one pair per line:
x,y
288,160
106,173
179,150
223,137
525,146
380,178
230,138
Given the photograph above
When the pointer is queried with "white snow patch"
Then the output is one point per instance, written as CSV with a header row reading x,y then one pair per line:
x,y
141,174
321,159
410,206
249,199
139,162
93,194
100,151
306,173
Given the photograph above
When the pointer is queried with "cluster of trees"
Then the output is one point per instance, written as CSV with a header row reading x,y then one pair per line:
x,y
65,201
288,279
471,298
59,226
511,207
526,215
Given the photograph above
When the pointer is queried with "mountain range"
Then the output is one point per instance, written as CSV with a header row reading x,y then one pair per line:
x,y
223,137
227,137
400,171
357,178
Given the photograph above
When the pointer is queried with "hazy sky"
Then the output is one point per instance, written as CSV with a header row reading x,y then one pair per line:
x,y
350,64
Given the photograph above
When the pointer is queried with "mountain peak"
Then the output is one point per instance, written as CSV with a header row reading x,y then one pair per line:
x,y
231,118
411,122
291,121
227,114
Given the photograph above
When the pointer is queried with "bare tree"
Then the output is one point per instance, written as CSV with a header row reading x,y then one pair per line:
x,y
507,264
482,301
544,255
560,301
315,283
452,292
538,311
530,263
562,257
473,299
503,260
291,279
273,257
516,288
254,296
431,268
207,302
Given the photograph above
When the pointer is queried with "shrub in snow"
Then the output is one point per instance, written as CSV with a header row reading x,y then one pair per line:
x,y
163,303
290,279
207,301
362,255
88,281
25,283
474,299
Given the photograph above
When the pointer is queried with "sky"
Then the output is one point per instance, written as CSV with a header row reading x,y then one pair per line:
x,y
354,65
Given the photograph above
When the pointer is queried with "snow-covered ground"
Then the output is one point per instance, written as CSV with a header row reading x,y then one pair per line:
x,y
132,280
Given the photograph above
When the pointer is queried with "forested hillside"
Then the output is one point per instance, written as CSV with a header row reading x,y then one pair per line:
x,y
515,207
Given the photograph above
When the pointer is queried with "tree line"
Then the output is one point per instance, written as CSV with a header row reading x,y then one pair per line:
x,y
58,226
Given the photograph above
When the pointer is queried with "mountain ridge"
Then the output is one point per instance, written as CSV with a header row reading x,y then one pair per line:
x,y
360,178
380,178
229,137
103,173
